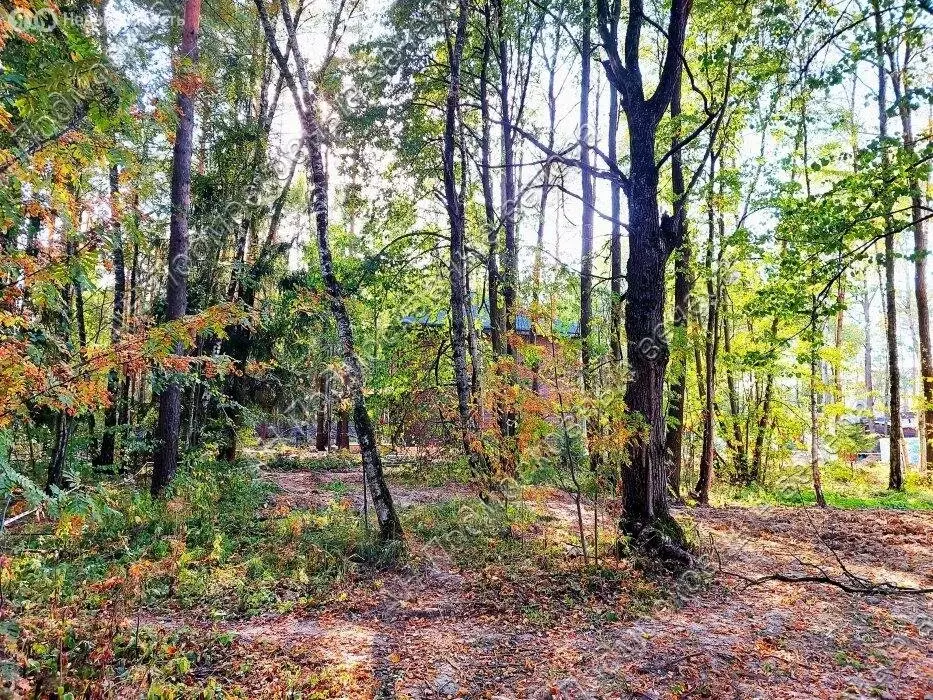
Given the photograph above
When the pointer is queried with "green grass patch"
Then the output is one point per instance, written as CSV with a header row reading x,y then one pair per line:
x,y
845,486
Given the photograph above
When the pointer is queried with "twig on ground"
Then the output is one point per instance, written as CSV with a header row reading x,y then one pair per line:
x,y
861,586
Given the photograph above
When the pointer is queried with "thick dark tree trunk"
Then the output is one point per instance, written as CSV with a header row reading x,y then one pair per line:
x,y
165,460
644,480
651,240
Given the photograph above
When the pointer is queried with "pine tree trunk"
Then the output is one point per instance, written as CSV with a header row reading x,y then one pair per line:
x,y
165,460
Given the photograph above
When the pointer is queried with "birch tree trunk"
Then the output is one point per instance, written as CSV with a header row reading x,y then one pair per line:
x,y
390,527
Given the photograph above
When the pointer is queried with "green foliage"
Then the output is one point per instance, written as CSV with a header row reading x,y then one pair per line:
x,y
474,532
845,486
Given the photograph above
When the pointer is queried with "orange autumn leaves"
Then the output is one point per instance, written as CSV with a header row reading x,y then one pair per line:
x,y
79,384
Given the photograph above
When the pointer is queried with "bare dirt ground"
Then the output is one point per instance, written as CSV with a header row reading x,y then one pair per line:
x,y
436,631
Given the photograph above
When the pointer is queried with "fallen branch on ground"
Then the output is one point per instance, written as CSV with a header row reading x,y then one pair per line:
x,y
858,585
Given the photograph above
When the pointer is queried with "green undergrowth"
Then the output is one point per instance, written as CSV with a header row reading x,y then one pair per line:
x,y
473,532
217,547
215,543
845,486
432,473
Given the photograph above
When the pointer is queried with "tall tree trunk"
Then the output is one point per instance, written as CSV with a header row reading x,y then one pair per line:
x,y
652,238
536,311
869,372
81,323
496,323
645,480
682,289
165,460
708,453
764,417
737,441
455,212
837,344
896,475
586,227
64,423
106,455
814,420
306,105
510,203
615,234
588,198
900,81
63,428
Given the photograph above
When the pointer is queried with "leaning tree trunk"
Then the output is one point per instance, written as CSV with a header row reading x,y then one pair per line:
x,y
165,460
390,527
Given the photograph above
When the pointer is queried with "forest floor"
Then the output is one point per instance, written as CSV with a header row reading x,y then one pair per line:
x,y
528,622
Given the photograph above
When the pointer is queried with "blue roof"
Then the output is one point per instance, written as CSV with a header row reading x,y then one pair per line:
x,y
522,322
